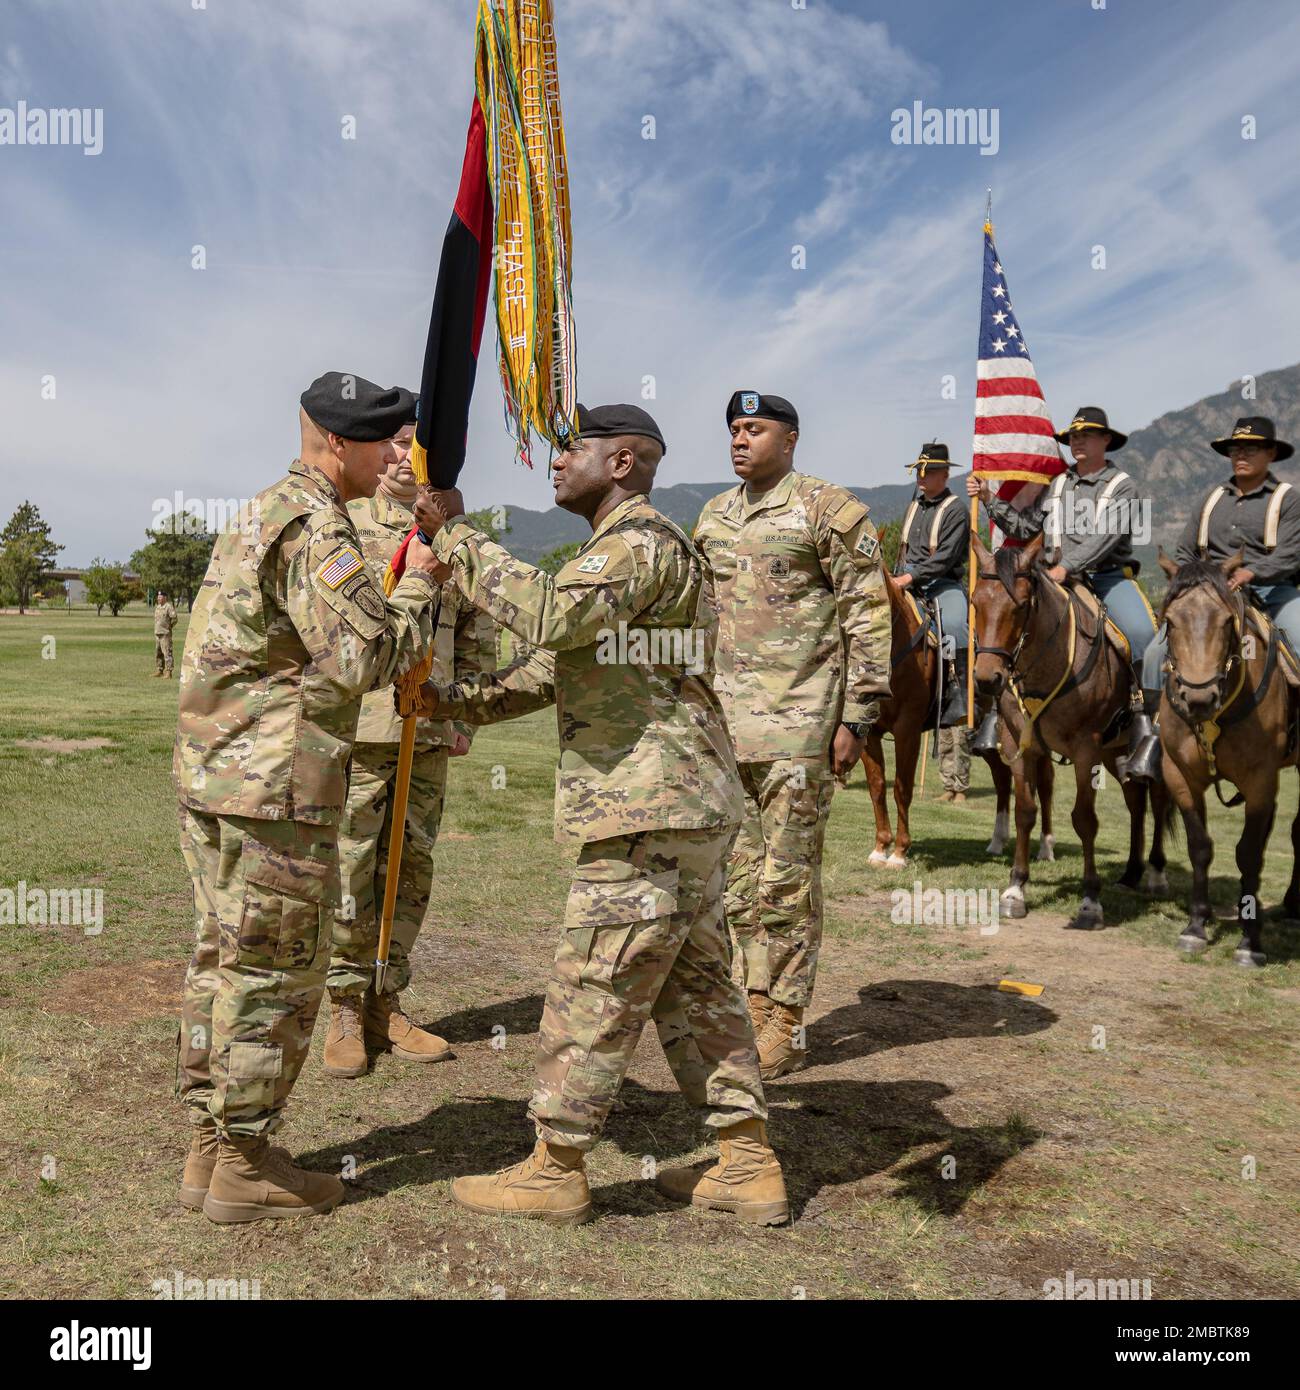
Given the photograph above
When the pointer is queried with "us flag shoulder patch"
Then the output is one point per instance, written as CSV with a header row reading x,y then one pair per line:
x,y
340,567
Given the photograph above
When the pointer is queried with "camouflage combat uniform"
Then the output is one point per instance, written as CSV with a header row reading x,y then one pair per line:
x,y
622,643
464,643
803,645
287,633
164,620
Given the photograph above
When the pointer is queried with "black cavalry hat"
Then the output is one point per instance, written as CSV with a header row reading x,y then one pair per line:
x,y
1254,429
1093,417
932,455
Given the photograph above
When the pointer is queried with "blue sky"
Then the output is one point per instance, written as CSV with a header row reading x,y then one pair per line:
x,y
1118,127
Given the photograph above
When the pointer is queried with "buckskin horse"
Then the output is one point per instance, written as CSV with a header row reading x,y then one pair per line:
x,y
1226,714
914,667
1062,687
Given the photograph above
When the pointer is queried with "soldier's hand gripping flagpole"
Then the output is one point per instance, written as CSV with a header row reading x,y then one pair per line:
x,y
512,206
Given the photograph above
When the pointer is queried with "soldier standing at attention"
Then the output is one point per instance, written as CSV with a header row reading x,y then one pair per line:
x,y
1090,513
622,643
803,659
164,620
288,632
464,643
932,554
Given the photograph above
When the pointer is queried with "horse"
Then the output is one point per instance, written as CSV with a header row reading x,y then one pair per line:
x,y
1226,714
914,667
1042,653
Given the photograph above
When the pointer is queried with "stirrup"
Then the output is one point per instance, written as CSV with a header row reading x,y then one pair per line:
x,y
986,741
1143,764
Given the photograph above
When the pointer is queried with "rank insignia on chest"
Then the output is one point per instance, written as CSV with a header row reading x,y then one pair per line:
x,y
593,564
340,567
868,545
779,568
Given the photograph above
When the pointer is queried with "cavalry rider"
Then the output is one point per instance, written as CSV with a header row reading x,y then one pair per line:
x,y
931,564
1254,513
1090,511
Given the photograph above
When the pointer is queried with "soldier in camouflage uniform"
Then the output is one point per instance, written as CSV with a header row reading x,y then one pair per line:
x,y
803,660
622,643
164,620
286,635
464,643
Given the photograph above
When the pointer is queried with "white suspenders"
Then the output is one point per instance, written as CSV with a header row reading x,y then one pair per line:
x,y
1053,522
1271,516
934,525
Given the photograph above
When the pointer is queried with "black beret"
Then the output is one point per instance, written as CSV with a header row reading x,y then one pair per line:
x,y
354,408
754,405
610,421
414,417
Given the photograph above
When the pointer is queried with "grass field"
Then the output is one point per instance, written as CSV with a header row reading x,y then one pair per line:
x,y
1137,1120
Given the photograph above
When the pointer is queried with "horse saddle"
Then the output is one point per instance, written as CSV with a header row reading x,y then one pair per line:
x,y
1114,633
924,616
1286,658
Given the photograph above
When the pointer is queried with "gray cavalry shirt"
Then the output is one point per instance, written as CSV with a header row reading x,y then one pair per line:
x,y
1237,523
1089,543
948,559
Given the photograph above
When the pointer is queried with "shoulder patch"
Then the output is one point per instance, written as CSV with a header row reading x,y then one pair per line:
x,y
593,564
867,545
847,514
339,566
367,598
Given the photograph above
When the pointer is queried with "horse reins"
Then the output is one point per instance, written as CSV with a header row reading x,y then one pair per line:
x,y
1033,706
1228,712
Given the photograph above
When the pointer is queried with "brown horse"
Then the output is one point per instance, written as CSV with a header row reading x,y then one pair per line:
x,y
1226,713
1042,654
914,667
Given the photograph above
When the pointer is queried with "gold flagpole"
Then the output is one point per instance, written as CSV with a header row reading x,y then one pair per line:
x,y
970,563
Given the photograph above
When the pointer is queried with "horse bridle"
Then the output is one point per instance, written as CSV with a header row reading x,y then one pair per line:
x,y
1176,686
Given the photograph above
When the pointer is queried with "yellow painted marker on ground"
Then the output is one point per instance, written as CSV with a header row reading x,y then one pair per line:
x,y
1021,987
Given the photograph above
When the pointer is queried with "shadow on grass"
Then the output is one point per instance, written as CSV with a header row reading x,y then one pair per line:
x,y
828,1132
901,1013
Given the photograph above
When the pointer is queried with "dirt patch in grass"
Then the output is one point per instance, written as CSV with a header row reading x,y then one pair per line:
x,y
114,994
50,744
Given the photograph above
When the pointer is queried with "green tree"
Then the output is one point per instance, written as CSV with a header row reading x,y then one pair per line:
x,y
174,561
485,520
107,587
555,560
26,552
891,537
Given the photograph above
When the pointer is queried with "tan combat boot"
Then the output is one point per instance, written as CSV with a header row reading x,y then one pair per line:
x,y
345,1043
199,1163
947,794
549,1185
761,1005
252,1181
777,1053
745,1180
959,798
387,1026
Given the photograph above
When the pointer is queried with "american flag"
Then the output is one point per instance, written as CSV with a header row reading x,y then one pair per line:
x,y
1014,441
